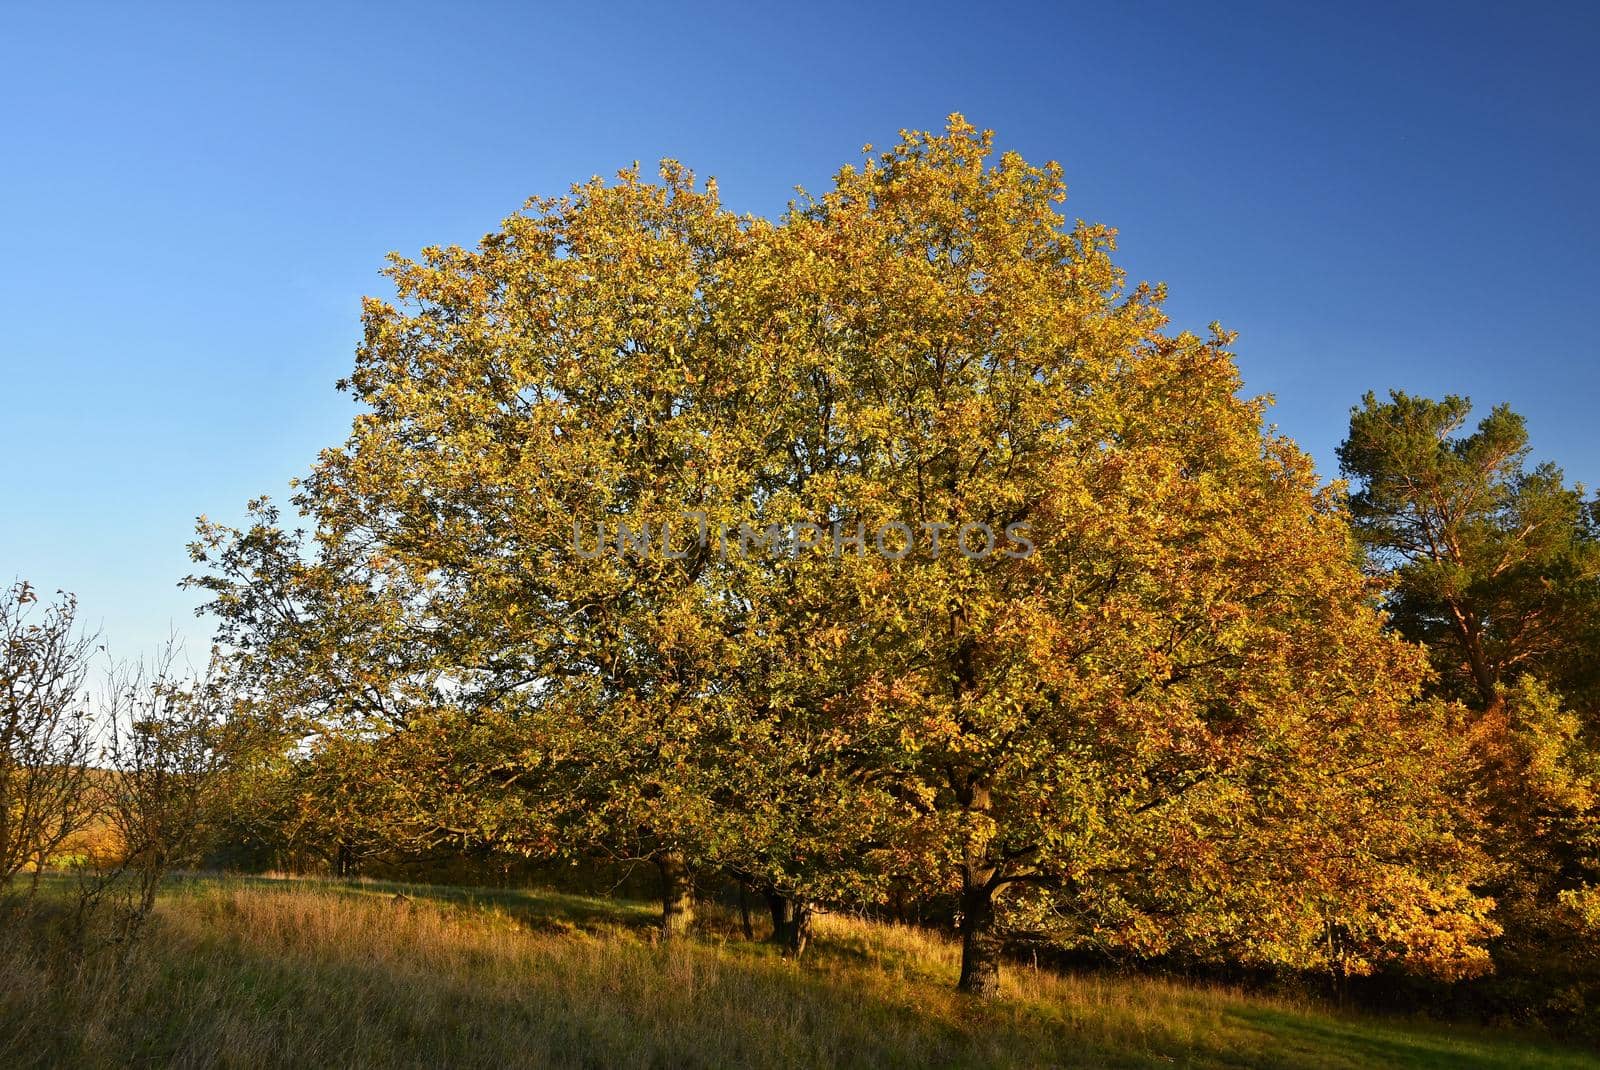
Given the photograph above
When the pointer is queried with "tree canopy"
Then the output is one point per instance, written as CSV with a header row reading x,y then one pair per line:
x,y
897,543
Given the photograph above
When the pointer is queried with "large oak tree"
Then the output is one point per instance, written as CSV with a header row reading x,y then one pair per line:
x,y
1175,725
1178,723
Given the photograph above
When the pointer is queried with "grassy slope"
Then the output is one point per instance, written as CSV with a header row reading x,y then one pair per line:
x,y
263,973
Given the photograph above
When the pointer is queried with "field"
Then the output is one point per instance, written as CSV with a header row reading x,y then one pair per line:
x,y
262,972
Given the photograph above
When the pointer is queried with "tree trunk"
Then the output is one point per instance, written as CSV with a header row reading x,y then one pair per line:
x,y
1470,634
677,894
800,931
791,923
980,944
779,906
744,911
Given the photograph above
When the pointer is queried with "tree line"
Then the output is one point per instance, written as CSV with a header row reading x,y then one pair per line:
x,y
1220,711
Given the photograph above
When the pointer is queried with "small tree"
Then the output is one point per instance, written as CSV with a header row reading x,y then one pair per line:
x,y
47,737
159,791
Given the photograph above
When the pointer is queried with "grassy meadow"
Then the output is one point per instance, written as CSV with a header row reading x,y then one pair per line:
x,y
262,972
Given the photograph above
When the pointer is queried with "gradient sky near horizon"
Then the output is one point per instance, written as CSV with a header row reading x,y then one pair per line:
x,y
193,199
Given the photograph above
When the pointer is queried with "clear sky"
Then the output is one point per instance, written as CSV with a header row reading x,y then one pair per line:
x,y
193,200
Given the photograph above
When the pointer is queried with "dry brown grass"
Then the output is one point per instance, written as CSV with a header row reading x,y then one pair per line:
x,y
261,973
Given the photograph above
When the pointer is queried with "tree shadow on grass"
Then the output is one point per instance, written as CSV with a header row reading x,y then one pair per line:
x,y
541,909
1378,1043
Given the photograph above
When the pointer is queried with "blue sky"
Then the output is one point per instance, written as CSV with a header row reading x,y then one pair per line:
x,y
193,199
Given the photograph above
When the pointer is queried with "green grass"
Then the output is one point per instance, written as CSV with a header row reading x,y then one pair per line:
x,y
258,972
